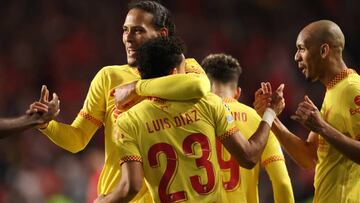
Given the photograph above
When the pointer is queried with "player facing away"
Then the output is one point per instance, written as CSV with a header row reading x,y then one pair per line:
x,y
333,145
173,143
241,184
145,20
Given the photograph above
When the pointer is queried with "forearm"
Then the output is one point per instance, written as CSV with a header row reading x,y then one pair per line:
x,y
129,185
280,181
248,153
175,87
73,137
258,141
10,126
344,144
120,195
302,152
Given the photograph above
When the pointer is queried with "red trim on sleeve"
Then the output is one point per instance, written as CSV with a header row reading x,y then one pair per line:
x,y
131,158
90,118
272,159
228,133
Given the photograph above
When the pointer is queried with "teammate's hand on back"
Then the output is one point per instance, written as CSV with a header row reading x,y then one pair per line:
x,y
126,96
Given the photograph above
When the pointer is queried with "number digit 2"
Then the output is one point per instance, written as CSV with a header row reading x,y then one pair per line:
x,y
172,162
171,166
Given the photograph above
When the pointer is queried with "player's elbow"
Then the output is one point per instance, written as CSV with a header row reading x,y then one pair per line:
x,y
77,148
133,188
306,164
247,161
201,86
248,165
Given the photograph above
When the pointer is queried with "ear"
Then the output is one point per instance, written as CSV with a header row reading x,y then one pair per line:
x,y
237,93
324,50
173,71
164,32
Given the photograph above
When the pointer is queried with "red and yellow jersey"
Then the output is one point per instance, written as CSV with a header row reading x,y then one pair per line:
x,y
337,178
99,106
241,184
176,143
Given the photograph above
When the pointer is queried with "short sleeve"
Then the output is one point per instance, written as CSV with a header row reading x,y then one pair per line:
x,y
352,104
125,138
272,151
224,122
94,107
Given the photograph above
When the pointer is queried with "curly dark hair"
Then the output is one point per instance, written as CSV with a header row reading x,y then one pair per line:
x,y
162,16
221,67
158,56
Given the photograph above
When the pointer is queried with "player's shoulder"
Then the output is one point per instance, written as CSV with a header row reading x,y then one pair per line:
x,y
192,61
246,108
211,101
115,68
192,66
354,79
132,114
140,107
211,98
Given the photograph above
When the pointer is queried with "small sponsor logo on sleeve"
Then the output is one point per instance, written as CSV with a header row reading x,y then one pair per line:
x,y
357,100
354,111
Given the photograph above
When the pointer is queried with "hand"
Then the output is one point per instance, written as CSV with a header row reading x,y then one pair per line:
x,y
265,98
126,96
99,199
277,100
37,107
262,100
44,110
308,115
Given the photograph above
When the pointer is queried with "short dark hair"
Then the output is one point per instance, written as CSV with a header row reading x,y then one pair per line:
x,y
158,56
222,68
161,15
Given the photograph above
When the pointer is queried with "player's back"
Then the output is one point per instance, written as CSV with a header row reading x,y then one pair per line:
x,y
176,141
241,184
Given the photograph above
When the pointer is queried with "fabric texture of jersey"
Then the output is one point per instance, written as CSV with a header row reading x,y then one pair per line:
x,y
241,184
98,111
176,142
337,178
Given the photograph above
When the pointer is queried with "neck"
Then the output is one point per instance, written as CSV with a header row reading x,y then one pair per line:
x,y
222,90
332,70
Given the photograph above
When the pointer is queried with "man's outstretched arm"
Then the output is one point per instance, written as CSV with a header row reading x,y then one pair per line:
x,y
192,85
302,152
42,113
248,152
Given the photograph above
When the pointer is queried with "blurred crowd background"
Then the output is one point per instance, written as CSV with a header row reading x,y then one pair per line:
x,y
63,43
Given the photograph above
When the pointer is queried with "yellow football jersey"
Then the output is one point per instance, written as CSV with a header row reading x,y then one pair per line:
x,y
337,179
98,111
176,143
241,184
